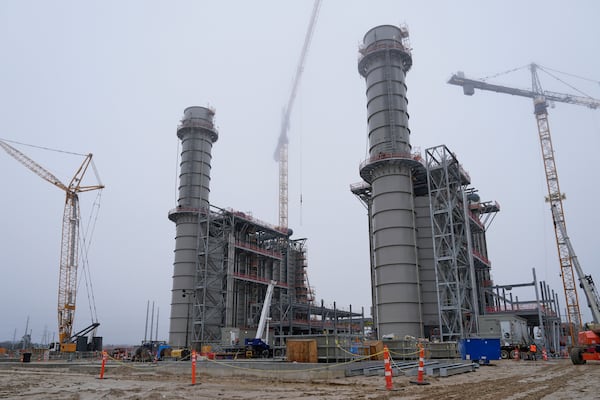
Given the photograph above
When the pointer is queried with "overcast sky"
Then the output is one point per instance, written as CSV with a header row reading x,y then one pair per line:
x,y
113,78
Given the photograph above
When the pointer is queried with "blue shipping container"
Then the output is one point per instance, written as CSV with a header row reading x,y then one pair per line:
x,y
479,350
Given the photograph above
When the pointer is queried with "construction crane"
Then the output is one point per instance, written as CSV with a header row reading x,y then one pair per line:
x,y
258,346
281,151
69,255
588,341
555,196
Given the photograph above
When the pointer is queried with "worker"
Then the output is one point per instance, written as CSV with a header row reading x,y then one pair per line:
x,y
532,350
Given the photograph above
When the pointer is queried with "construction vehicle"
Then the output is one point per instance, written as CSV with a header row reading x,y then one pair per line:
x,y
79,341
69,255
588,339
511,329
541,99
257,346
151,350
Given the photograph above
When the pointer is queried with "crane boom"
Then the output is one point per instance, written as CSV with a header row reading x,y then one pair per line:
x,y
264,314
281,151
69,254
555,197
33,166
469,86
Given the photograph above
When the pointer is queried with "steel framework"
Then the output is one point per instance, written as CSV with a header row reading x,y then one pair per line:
x,y
454,269
209,296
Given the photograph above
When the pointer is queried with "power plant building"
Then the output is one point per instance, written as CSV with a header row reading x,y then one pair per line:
x,y
430,272
225,260
429,264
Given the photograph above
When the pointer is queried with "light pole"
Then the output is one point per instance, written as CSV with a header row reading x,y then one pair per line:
x,y
187,322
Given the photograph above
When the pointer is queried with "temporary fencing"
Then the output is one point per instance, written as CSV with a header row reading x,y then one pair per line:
x,y
544,354
420,380
388,368
104,357
193,367
310,371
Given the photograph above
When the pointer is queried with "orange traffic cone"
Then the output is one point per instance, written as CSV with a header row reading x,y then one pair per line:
x,y
517,355
104,358
420,380
388,368
544,354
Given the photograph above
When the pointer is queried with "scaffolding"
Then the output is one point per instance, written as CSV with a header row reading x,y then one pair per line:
x,y
209,300
453,258
542,313
238,256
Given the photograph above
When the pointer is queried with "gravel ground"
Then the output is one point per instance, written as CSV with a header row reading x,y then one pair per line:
x,y
505,379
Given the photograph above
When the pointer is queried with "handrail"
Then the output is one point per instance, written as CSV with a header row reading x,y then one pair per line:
x,y
384,156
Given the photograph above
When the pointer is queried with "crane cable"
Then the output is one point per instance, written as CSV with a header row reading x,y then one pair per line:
x,y
176,172
571,75
504,73
85,245
565,83
546,70
43,148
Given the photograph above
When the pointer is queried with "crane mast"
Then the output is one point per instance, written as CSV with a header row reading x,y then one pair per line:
x,y
555,197
585,281
281,152
69,254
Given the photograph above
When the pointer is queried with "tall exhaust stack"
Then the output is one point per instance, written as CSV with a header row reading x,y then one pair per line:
x,y
197,134
385,59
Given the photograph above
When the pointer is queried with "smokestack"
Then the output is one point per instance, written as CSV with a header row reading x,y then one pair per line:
x,y
385,59
197,134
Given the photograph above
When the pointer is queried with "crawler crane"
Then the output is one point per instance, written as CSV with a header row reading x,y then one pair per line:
x,y
555,197
69,255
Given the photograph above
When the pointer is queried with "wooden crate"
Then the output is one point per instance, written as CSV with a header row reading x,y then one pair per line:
x,y
302,350
374,349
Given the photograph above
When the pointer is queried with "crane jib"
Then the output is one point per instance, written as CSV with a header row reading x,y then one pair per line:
x,y
567,257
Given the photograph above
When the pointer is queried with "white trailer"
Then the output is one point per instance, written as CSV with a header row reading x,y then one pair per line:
x,y
511,329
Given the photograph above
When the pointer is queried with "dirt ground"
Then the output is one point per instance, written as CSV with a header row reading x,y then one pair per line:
x,y
551,380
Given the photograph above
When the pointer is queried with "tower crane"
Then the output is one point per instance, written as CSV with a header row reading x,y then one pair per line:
x,y
555,197
588,343
69,256
281,151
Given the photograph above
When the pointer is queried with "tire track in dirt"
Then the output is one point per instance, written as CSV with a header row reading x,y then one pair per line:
x,y
535,383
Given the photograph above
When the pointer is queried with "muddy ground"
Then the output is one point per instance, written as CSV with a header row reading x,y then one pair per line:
x,y
506,379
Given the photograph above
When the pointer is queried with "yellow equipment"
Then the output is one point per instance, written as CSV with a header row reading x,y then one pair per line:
x,y
69,256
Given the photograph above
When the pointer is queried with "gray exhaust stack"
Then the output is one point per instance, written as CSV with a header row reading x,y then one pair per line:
x,y
197,134
385,59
